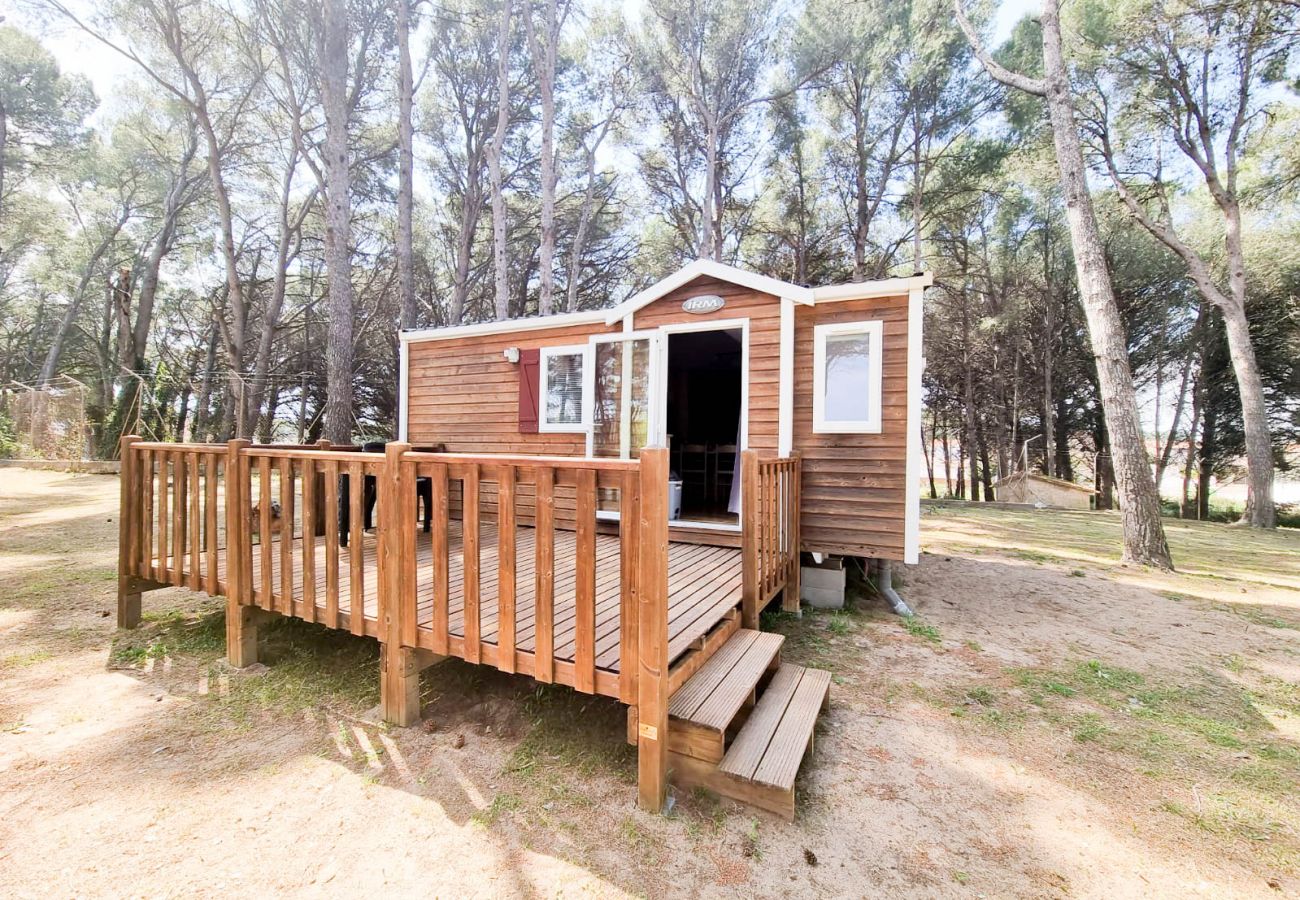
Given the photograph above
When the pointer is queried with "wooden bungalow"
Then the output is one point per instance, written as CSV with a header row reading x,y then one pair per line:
x,y
614,497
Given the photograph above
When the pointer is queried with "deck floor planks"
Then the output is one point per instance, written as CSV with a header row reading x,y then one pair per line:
x,y
704,582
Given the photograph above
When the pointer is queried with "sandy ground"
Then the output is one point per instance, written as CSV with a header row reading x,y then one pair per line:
x,y
1050,725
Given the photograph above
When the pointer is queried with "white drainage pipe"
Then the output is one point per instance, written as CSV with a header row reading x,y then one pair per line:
x,y
885,586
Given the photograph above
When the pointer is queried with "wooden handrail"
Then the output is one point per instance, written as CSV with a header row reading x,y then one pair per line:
x,y
769,532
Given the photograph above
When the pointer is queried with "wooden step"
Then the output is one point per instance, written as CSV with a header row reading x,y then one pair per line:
x,y
712,696
770,747
761,765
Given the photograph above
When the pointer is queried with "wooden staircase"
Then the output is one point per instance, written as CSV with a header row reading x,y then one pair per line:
x,y
742,723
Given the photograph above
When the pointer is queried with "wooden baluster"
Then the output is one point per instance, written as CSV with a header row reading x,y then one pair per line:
x,y
407,504
286,535
179,518
196,524
356,548
439,556
749,536
584,598
629,530
470,548
164,518
128,537
790,598
544,552
506,568
652,632
145,478
332,543
310,515
212,578
265,539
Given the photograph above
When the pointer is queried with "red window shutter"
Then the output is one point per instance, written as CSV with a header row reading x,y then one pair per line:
x,y
529,367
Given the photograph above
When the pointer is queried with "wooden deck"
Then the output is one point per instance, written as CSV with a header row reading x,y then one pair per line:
x,y
518,571
704,584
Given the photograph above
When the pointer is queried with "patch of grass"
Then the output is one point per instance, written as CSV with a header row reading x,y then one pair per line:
x,y
23,660
917,627
839,624
981,695
172,634
1088,728
1257,616
500,805
570,733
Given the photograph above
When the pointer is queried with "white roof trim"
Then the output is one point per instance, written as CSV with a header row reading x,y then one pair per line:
x,y
887,287
861,290
707,267
504,326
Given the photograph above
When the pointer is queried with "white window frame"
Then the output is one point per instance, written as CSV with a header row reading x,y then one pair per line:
x,y
543,373
874,330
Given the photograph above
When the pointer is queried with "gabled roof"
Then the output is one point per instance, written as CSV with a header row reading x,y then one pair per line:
x,y
700,268
711,269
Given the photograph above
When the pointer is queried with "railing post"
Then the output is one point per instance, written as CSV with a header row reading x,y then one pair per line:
x,y
790,596
399,668
128,537
325,518
749,538
241,621
652,631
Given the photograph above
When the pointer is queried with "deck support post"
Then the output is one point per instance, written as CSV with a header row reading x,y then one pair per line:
x,y
749,513
128,537
241,634
652,631
399,667
241,618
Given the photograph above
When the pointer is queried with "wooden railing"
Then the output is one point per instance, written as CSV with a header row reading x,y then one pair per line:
x,y
170,525
528,639
770,531
264,526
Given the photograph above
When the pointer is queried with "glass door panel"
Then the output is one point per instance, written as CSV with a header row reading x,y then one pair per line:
x,y
621,398
624,388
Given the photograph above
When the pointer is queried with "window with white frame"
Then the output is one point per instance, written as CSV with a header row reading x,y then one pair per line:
x,y
846,377
563,405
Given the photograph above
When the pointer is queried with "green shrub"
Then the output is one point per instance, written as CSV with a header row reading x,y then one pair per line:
x,y
8,436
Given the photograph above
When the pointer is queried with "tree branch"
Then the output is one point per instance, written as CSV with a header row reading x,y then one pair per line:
x,y
1035,86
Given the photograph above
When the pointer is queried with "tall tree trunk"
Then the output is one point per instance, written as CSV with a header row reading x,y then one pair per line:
x,y
495,153
1164,453
338,223
947,459
51,364
4,147
203,402
1205,462
1144,534
707,213
544,63
405,165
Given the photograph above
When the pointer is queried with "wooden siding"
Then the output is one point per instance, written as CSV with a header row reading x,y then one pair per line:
x,y
764,314
463,393
854,485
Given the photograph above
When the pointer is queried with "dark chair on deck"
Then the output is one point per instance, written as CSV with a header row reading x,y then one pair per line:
x,y
370,494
